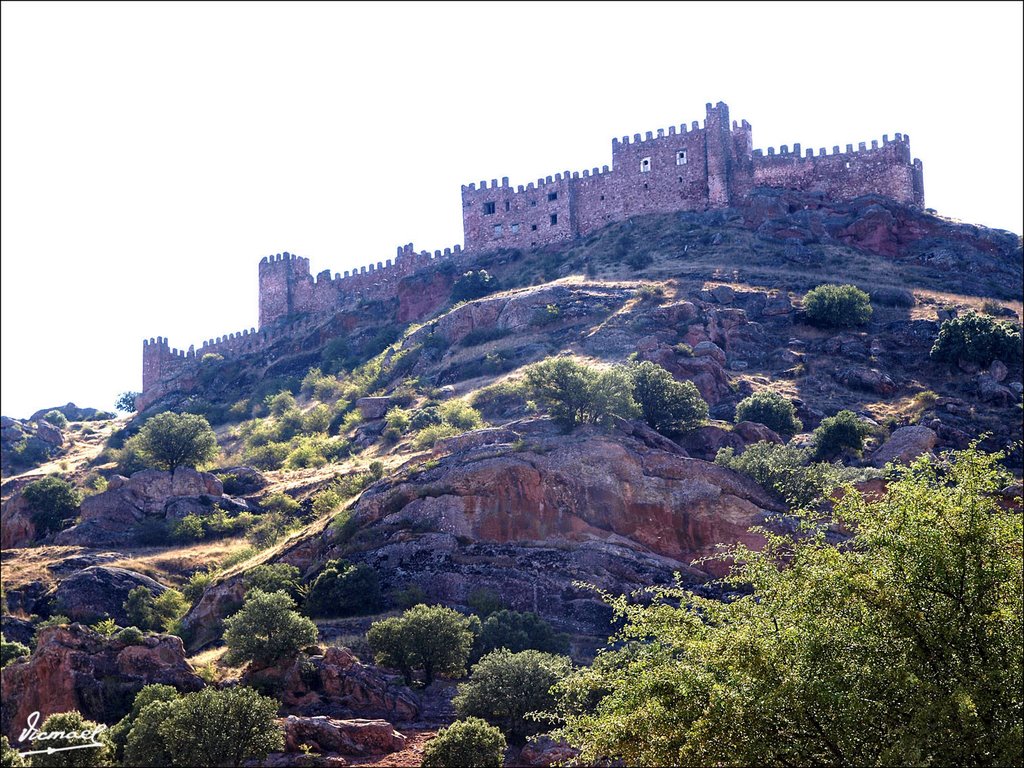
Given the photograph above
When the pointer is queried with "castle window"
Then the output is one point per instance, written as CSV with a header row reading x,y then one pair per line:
x,y
533,203
497,230
508,206
554,219
847,163
552,195
533,227
514,228
488,209
645,165
681,157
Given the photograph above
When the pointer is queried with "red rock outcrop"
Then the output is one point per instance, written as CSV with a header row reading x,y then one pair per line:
x,y
74,667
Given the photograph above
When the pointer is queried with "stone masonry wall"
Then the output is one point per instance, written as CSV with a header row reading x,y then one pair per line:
x,y
695,169
709,166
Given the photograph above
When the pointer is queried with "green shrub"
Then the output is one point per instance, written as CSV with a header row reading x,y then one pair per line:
x,y
428,436
316,419
432,638
154,613
10,650
171,440
343,589
267,628
267,456
398,419
466,742
227,727
771,409
460,414
980,339
56,418
9,756
68,722
484,601
901,646
504,687
517,631
273,577
783,469
837,306
280,403
53,503
463,743
667,405
197,584
473,285
189,528
840,433
575,393
108,627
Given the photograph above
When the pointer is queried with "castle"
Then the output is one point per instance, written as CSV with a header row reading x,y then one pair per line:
x,y
693,169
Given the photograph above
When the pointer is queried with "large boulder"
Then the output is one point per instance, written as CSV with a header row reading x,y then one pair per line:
x,y
336,683
16,526
74,667
110,518
99,592
904,445
345,737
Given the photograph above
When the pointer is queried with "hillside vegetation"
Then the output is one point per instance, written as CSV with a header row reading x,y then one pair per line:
x,y
625,437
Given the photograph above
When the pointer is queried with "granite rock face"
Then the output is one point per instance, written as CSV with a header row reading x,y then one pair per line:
x,y
74,667
99,592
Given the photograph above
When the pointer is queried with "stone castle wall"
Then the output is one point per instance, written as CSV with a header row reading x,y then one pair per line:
x,y
684,169
709,166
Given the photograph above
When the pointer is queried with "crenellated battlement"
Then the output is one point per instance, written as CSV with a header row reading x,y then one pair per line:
x,y
679,168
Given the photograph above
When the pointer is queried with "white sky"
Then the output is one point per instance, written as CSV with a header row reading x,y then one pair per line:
x,y
153,153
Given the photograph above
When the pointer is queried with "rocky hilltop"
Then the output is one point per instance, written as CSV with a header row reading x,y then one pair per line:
x,y
403,438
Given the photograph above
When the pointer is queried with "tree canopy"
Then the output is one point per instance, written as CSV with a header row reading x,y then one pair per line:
x,y
171,440
428,637
902,646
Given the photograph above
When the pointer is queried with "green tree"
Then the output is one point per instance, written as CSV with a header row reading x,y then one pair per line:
x,y
466,742
518,632
575,393
838,434
504,687
343,589
667,405
144,745
171,440
120,732
126,402
432,638
208,727
53,503
837,306
904,646
11,650
69,722
771,409
976,338
267,628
